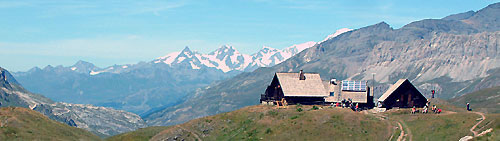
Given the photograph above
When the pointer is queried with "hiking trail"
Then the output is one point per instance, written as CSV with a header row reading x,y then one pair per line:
x,y
474,127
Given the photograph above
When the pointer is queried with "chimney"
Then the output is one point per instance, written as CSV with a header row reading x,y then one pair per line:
x,y
301,75
333,81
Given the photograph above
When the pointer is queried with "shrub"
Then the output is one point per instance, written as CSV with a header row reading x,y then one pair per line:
x,y
315,108
299,110
298,105
294,117
272,113
269,131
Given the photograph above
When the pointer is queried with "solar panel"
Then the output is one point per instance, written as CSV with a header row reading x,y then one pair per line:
x,y
348,85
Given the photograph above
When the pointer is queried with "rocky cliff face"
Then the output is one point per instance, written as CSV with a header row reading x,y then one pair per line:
x,y
99,120
454,56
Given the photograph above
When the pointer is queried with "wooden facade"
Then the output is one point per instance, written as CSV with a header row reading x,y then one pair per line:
x,y
402,95
303,88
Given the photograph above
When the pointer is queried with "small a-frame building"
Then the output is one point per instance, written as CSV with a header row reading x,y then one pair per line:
x,y
303,88
403,95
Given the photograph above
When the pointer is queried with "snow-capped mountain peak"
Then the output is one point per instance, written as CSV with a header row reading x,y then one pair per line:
x,y
225,58
83,67
301,47
268,56
337,33
167,59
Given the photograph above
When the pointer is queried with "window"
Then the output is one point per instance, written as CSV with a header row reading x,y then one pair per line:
x,y
332,93
353,85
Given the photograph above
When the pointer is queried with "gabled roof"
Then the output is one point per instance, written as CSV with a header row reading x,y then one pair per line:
x,y
312,86
392,89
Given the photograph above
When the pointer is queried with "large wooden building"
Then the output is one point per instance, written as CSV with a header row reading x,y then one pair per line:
x,y
308,88
402,95
303,88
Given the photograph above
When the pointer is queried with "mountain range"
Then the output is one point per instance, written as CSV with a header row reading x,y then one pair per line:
x,y
148,86
453,56
101,121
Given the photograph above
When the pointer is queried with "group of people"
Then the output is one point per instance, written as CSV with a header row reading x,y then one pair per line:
x,y
425,109
347,104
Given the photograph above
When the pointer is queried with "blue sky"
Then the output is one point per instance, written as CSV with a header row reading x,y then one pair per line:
x,y
107,32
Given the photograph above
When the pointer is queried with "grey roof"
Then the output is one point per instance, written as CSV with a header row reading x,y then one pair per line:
x,y
312,86
391,89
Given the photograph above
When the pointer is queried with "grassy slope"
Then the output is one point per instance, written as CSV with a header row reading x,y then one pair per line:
x,y
437,127
25,124
267,123
138,135
264,122
486,100
453,124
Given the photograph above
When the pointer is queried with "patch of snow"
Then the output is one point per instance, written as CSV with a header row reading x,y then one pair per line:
x,y
234,57
125,67
194,66
180,59
169,58
301,47
188,54
204,60
94,73
337,33
73,68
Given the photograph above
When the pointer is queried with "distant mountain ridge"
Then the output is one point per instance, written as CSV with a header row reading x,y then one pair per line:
x,y
225,58
99,120
147,86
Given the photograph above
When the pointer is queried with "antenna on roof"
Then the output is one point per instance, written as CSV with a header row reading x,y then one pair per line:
x,y
301,75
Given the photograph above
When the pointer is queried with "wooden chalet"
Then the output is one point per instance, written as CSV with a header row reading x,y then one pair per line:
x,y
403,95
303,88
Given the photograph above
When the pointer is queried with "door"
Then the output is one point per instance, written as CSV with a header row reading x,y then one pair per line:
x,y
410,102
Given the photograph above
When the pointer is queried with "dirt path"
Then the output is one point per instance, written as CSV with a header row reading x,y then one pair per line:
x,y
408,135
474,127
401,136
194,134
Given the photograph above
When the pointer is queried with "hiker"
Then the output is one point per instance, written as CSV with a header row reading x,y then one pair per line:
x,y
434,108
468,107
438,111
357,106
413,110
425,109
337,104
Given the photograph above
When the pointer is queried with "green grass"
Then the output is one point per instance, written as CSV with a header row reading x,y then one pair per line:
x,y
438,127
138,135
485,100
268,123
287,124
25,124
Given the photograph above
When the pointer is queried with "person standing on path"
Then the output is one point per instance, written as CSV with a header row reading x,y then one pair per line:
x,y
468,106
